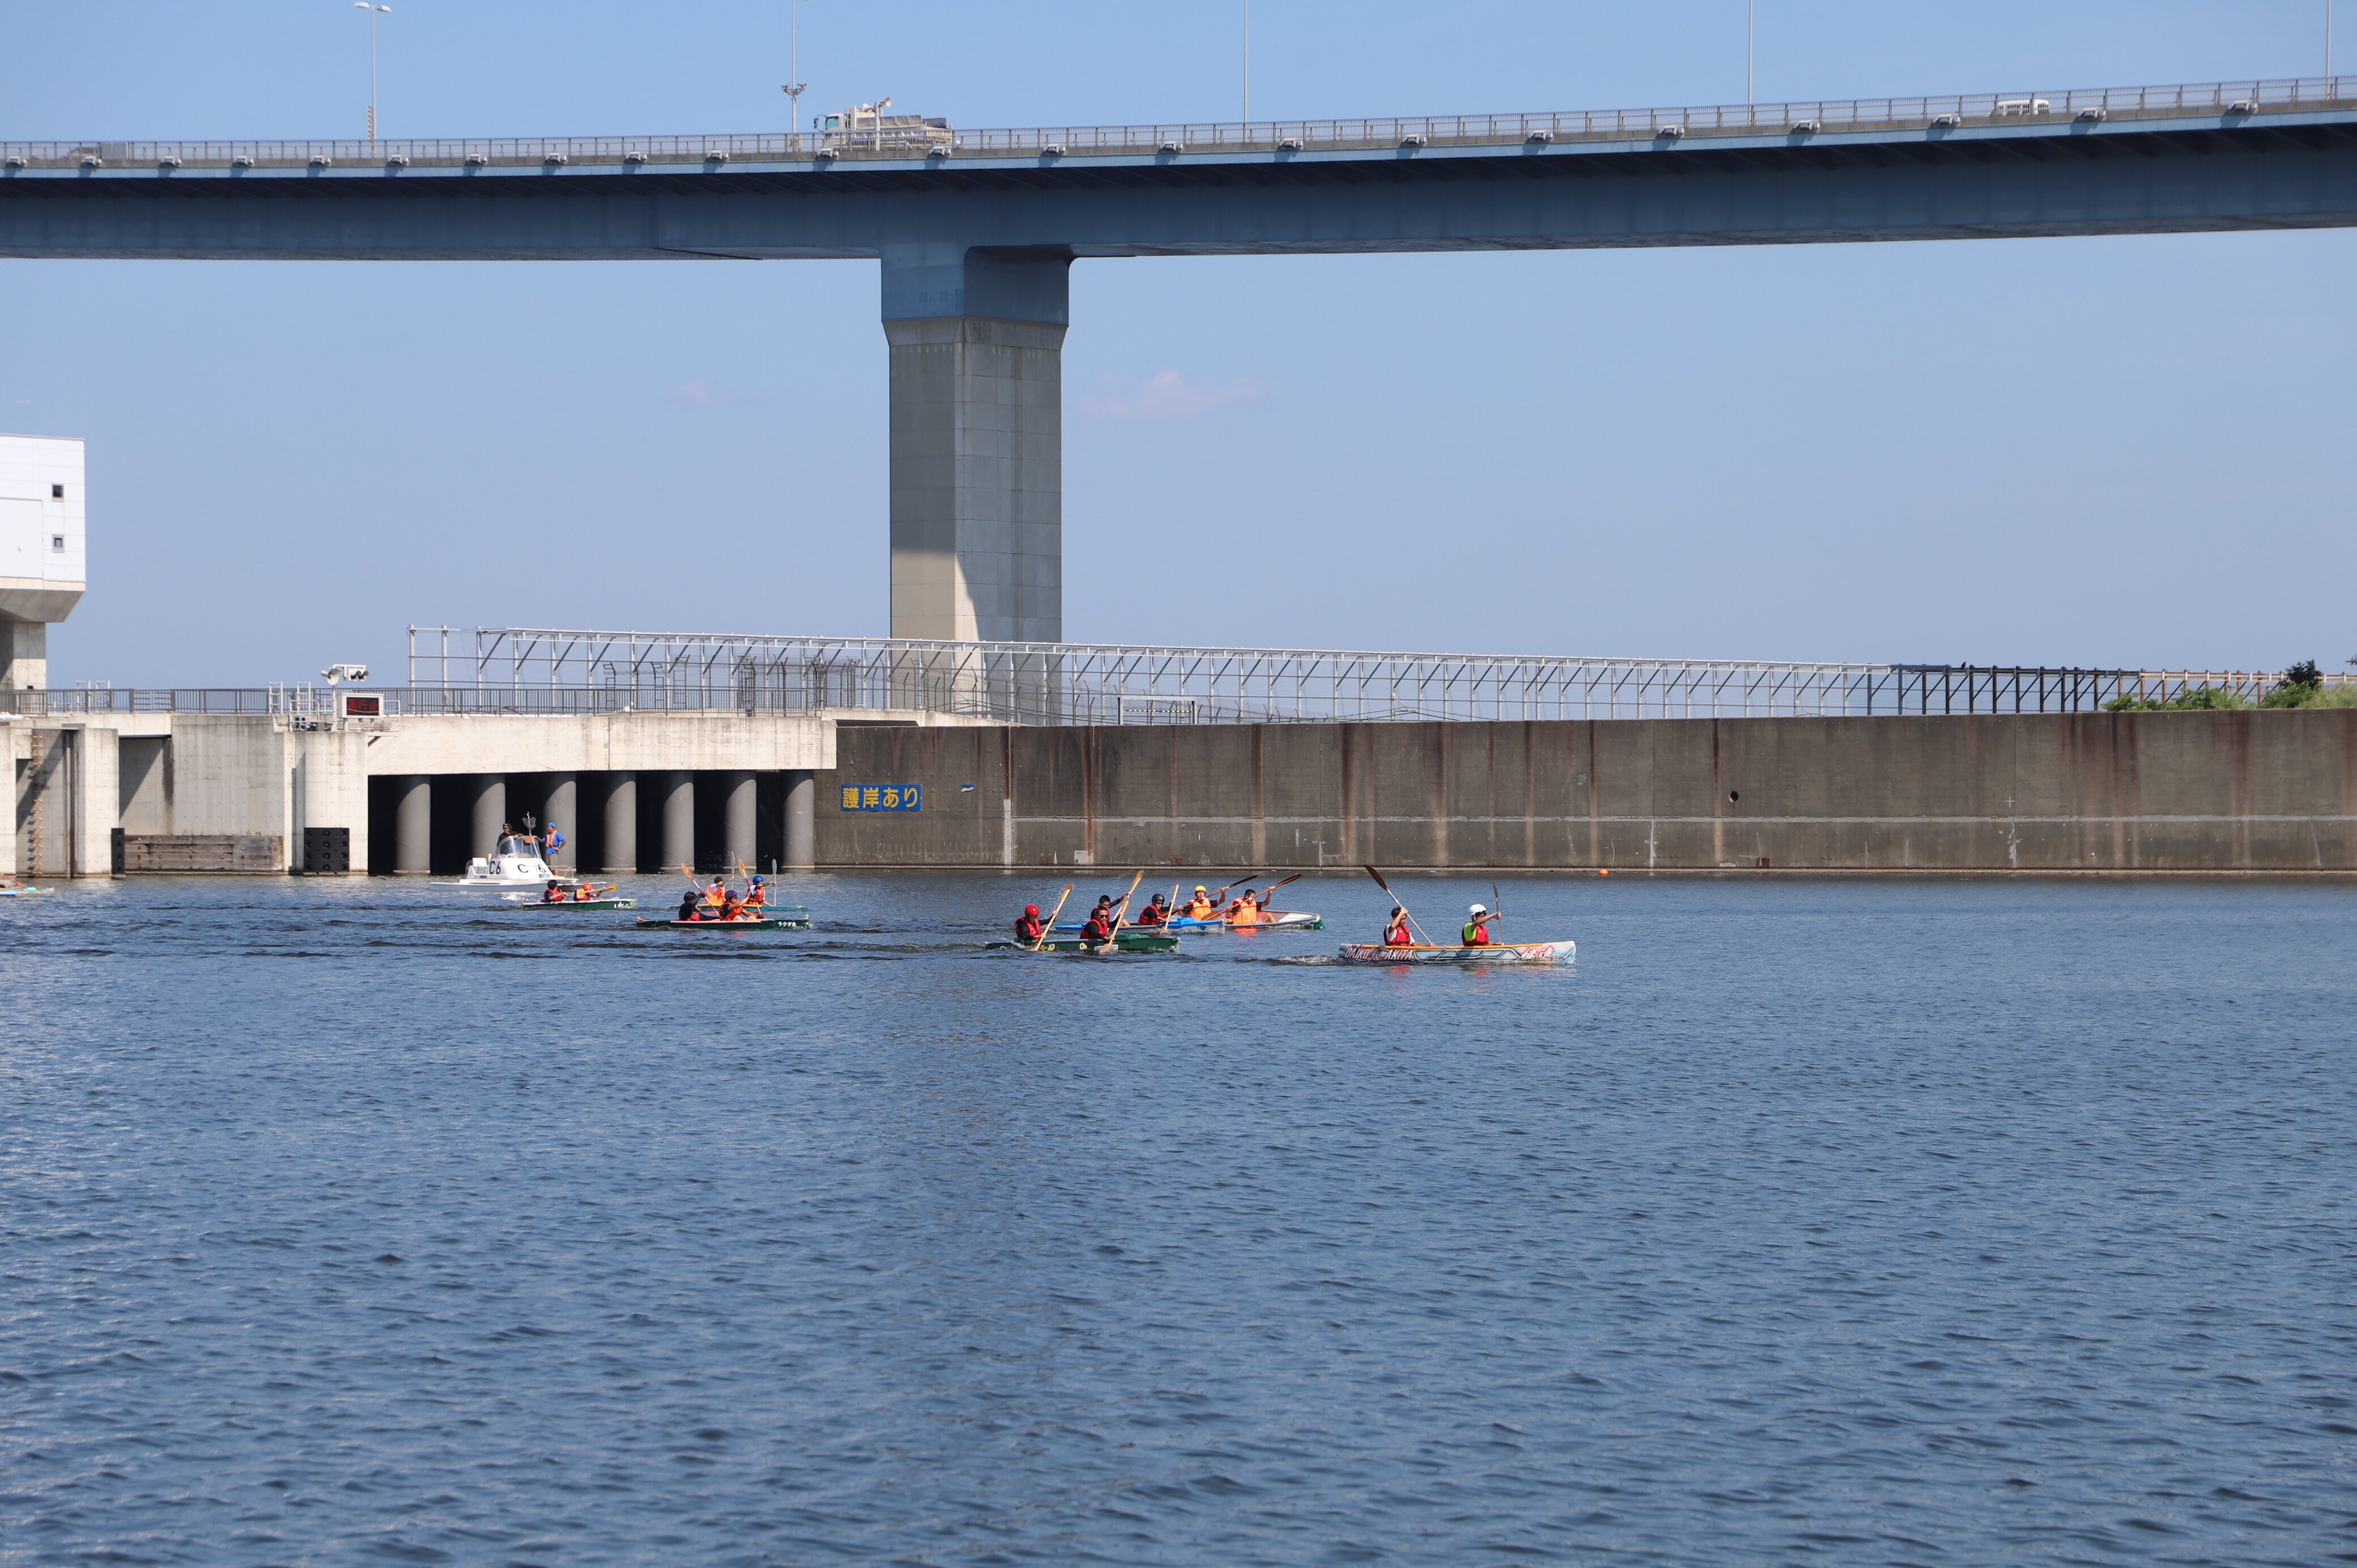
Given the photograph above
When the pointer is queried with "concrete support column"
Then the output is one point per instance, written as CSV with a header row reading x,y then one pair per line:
x,y
563,792
23,655
621,822
802,819
977,440
678,787
740,812
489,813
413,825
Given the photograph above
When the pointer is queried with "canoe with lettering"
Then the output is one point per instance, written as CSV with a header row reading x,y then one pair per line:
x,y
1500,952
778,920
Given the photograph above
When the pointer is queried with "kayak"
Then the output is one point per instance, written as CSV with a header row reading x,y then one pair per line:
x,y
577,904
1123,941
26,892
1273,920
783,920
1503,952
1276,920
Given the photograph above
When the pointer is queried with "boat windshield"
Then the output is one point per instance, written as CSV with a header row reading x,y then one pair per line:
x,y
520,846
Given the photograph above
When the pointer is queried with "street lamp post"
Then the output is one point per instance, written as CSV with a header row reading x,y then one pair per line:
x,y
374,11
1751,44
1247,62
794,89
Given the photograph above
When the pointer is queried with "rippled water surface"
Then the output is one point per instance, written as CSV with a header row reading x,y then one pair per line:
x,y
1850,1222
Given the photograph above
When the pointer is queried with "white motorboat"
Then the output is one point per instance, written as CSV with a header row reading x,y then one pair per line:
x,y
516,863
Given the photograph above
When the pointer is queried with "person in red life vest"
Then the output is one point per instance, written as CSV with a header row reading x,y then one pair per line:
x,y
1397,934
555,893
691,907
1477,929
757,897
1029,927
1156,912
1099,930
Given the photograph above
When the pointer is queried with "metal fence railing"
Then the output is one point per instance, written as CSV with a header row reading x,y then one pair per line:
x,y
514,669
1797,118
506,671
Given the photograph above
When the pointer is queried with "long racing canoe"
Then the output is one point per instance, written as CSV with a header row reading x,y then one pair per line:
x,y
1125,941
1501,952
1275,920
782,921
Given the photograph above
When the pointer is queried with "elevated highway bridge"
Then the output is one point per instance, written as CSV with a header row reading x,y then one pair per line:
x,y
976,231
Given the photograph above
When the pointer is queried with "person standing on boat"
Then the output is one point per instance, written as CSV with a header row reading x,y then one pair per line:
x,y
551,842
1477,928
1029,927
1398,934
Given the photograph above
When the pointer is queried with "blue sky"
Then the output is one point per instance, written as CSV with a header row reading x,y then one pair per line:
x,y
2093,451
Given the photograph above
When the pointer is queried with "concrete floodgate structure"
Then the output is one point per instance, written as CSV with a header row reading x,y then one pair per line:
x,y
655,751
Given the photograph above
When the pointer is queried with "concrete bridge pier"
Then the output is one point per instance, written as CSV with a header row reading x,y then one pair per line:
x,y
977,440
557,806
678,791
802,819
413,825
489,813
619,808
739,814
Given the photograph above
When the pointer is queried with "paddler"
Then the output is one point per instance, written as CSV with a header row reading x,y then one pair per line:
x,y
585,893
556,893
1029,927
1098,928
1243,912
1477,928
716,896
732,908
1398,934
1200,907
1156,912
756,896
691,907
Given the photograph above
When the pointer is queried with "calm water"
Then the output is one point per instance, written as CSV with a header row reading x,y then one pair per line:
x,y
1845,1222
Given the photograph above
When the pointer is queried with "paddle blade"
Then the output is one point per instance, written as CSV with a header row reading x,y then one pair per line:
x,y
1379,881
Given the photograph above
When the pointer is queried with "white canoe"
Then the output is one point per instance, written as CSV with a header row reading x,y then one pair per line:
x,y
1503,952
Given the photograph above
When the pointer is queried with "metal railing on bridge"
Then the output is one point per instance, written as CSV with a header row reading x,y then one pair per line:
x,y
540,670
1797,118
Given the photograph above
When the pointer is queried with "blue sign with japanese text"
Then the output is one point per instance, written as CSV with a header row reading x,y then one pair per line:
x,y
883,796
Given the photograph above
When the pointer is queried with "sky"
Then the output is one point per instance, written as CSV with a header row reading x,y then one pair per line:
x,y
2119,452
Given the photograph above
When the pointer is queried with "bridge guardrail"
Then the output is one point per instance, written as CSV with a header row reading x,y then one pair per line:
x,y
2062,108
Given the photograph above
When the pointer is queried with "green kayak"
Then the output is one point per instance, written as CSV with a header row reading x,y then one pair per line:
x,y
1123,941
779,923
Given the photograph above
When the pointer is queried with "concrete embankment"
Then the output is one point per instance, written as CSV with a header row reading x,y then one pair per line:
x,y
2251,792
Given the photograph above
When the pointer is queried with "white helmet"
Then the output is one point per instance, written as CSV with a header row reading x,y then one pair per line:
x,y
1477,909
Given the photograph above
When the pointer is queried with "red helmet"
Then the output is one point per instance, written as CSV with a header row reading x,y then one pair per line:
x,y
1030,908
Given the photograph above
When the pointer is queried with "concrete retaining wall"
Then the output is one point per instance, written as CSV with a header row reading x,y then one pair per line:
x,y
2192,792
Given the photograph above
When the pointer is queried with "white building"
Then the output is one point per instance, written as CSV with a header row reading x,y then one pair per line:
x,y
41,571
